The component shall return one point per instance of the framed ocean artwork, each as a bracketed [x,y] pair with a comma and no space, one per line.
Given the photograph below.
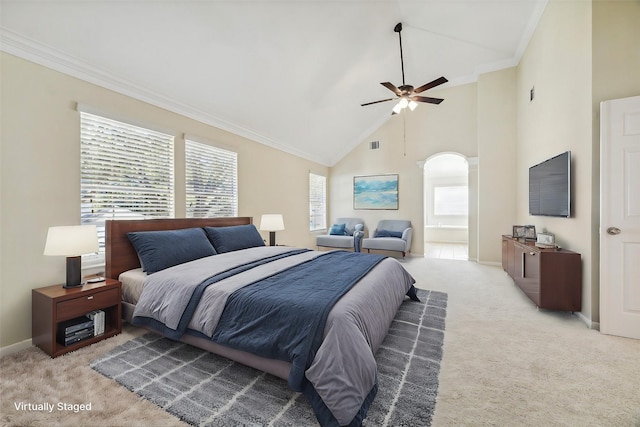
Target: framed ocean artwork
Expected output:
[375,192]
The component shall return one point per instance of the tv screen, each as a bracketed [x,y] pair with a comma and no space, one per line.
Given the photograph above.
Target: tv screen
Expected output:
[550,187]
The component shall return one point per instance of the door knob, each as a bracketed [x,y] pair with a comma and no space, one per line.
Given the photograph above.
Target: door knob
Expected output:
[613,231]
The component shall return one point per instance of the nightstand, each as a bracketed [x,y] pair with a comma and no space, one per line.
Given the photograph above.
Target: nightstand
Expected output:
[52,305]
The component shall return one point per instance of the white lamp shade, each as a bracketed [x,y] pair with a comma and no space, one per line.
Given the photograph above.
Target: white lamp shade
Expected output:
[272,222]
[71,240]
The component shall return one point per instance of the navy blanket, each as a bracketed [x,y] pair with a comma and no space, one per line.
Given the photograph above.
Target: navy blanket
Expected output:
[283,316]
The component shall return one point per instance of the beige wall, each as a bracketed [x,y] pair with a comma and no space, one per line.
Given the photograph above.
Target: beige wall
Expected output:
[581,54]
[558,63]
[430,129]
[497,141]
[476,120]
[40,176]
[616,74]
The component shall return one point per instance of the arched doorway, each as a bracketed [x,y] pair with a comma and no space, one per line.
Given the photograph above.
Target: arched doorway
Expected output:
[446,206]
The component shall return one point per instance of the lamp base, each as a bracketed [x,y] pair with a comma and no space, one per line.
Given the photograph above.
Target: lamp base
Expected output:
[272,238]
[74,266]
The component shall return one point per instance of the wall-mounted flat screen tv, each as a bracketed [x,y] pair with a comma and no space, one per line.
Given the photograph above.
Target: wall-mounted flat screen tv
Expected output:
[550,187]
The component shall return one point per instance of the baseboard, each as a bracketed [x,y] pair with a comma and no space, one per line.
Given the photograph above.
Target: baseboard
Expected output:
[590,324]
[14,348]
[491,263]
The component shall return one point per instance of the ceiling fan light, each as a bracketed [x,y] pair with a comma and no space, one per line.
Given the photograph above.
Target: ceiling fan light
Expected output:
[403,103]
[412,105]
[397,108]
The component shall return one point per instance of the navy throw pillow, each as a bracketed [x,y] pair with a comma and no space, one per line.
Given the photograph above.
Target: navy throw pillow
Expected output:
[338,230]
[158,250]
[234,238]
[388,233]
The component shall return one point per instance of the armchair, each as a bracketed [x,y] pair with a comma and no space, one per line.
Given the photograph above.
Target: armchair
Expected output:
[347,238]
[390,235]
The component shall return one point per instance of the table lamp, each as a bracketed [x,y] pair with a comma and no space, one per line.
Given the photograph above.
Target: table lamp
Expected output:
[272,223]
[72,241]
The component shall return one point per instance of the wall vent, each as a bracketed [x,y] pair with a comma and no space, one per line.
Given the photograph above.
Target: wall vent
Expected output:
[374,145]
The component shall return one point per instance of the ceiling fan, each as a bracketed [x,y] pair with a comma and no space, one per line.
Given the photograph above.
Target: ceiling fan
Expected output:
[407,93]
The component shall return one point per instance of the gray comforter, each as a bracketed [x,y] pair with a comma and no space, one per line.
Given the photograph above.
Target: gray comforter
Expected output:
[343,371]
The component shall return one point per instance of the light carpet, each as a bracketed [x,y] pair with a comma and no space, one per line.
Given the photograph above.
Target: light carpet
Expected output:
[204,389]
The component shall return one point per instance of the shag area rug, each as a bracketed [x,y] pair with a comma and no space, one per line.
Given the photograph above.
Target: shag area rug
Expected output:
[203,389]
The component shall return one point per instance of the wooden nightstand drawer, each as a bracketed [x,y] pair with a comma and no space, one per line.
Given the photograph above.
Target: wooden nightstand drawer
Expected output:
[86,303]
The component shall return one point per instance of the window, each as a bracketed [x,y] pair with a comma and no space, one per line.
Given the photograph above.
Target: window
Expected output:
[211,180]
[452,200]
[125,172]
[317,202]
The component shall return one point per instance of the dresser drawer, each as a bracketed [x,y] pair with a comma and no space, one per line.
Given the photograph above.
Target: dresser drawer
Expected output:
[88,302]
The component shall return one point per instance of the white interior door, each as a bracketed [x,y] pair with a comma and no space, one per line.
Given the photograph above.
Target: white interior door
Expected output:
[620,217]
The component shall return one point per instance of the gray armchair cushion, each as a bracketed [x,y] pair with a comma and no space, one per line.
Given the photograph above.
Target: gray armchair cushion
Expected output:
[393,225]
[388,228]
[335,241]
[385,243]
[354,229]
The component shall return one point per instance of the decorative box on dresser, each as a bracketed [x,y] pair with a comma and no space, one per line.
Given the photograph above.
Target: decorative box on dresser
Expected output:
[551,278]
[52,305]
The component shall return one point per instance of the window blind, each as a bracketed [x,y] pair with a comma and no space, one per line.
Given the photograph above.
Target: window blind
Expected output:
[126,171]
[211,181]
[317,202]
[453,200]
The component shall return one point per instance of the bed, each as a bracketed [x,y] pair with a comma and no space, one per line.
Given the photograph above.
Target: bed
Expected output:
[260,305]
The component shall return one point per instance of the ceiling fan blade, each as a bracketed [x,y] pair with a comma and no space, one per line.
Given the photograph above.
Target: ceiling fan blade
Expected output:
[375,102]
[426,99]
[436,82]
[391,87]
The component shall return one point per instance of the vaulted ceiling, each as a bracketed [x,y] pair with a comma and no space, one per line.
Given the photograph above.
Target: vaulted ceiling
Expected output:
[290,74]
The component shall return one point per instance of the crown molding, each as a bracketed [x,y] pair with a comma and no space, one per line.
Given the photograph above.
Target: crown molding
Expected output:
[47,56]
[534,19]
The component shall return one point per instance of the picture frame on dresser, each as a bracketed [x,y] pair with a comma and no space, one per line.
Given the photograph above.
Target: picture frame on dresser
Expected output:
[530,232]
[518,232]
[546,240]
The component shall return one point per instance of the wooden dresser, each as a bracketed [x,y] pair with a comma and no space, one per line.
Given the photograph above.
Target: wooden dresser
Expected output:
[551,278]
